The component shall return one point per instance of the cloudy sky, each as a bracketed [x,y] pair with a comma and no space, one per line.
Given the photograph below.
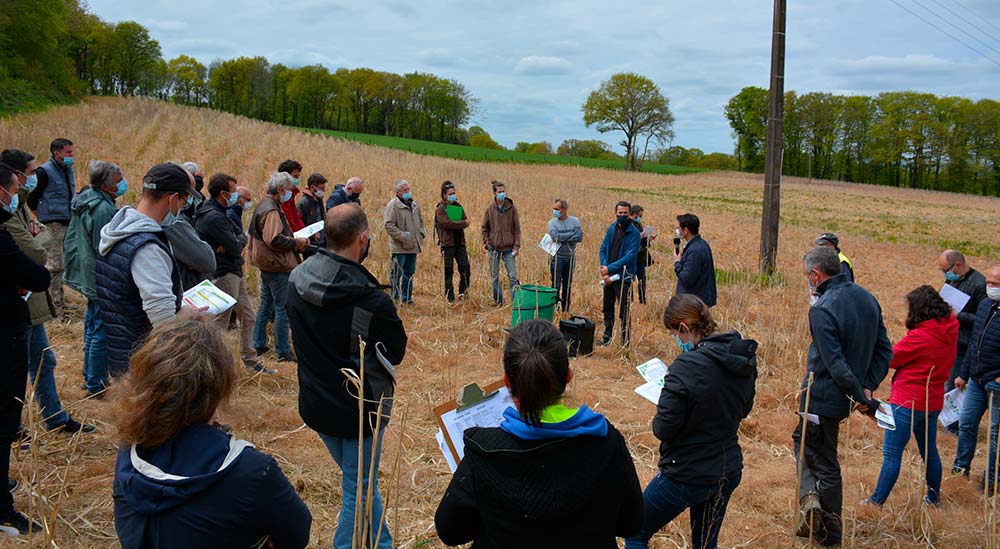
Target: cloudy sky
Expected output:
[533,63]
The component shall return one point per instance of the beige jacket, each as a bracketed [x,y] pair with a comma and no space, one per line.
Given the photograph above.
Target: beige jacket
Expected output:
[405,226]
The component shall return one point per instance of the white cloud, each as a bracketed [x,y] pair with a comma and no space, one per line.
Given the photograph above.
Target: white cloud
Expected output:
[536,65]
[166,25]
[907,64]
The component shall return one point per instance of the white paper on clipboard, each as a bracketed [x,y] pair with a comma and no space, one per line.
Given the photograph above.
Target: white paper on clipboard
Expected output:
[443,446]
[309,230]
[209,295]
[955,297]
[486,413]
[550,246]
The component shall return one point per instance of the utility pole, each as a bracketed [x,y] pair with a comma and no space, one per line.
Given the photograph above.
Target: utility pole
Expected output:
[775,147]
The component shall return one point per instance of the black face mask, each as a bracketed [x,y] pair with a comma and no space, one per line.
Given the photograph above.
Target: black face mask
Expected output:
[624,220]
[199,182]
[364,253]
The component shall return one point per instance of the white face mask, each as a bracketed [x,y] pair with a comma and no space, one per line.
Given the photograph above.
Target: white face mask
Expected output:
[993,293]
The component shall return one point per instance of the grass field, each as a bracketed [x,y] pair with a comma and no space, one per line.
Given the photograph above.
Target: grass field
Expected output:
[893,237]
[460,152]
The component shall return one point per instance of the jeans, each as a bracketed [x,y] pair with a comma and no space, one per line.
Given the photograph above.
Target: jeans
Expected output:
[977,400]
[13,376]
[665,498]
[401,277]
[907,421]
[42,365]
[612,292]
[640,281]
[510,265]
[272,303]
[452,255]
[821,471]
[95,349]
[562,278]
[345,453]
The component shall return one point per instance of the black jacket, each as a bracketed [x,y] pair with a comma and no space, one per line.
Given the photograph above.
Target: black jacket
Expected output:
[331,301]
[551,493]
[696,271]
[19,273]
[312,211]
[982,361]
[974,285]
[215,227]
[850,350]
[339,196]
[705,395]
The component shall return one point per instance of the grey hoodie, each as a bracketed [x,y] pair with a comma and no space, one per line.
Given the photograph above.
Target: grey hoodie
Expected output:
[151,266]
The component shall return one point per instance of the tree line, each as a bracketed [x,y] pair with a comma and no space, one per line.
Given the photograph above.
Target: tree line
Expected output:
[902,138]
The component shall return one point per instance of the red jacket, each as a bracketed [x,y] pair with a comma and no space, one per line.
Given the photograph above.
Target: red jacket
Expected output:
[927,351]
[292,213]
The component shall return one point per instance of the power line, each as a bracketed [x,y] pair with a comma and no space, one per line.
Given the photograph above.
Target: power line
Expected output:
[970,23]
[985,20]
[946,33]
[967,33]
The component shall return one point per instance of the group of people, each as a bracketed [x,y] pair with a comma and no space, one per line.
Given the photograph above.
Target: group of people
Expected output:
[548,475]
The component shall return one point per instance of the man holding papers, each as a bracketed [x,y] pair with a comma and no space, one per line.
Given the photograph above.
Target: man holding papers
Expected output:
[227,239]
[970,285]
[566,231]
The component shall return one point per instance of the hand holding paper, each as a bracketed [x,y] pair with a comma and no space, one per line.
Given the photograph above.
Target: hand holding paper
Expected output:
[207,297]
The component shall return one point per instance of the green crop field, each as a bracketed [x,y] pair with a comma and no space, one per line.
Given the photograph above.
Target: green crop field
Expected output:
[462,152]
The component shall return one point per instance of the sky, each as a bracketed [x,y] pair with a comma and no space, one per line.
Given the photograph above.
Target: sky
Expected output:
[532,64]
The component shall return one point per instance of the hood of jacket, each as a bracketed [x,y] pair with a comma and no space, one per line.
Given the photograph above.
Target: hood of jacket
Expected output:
[507,204]
[730,350]
[940,330]
[327,280]
[157,480]
[89,199]
[127,222]
[583,423]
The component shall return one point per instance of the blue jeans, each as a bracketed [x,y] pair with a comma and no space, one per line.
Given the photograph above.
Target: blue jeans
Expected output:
[345,453]
[665,499]
[908,421]
[562,278]
[977,400]
[272,304]
[510,264]
[95,349]
[42,364]
[401,277]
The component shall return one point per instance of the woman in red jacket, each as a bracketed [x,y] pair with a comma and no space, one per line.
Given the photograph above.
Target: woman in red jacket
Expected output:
[922,362]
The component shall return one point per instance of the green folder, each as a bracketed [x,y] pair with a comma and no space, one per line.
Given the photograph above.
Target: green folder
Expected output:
[454,213]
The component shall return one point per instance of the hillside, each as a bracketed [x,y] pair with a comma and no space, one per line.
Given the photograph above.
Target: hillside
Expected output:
[892,235]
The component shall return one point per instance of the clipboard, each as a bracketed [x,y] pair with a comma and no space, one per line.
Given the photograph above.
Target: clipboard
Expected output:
[474,407]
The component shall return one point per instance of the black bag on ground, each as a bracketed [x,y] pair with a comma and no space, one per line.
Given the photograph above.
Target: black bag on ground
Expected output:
[579,334]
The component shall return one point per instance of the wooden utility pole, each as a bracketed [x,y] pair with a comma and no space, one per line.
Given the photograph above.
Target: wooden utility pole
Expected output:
[775,146]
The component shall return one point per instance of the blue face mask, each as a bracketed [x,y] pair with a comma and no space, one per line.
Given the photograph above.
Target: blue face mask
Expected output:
[407,196]
[295,181]
[638,219]
[556,214]
[30,182]
[122,187]
[169,220]
[501,196]
[453,198]
[286,197]
[950,276]
[14,202]
[67,161]
[685,347]
[232,200]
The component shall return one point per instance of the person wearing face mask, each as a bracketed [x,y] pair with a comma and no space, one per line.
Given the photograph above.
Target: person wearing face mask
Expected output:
[848,358]
[93,208]
[243,203]
[709,389]
[451,238]
[349,192]
[405,227]
[980,377]
[137,278]
[191,211]
[311,208]
[566,231]
[227,239]
[20,274]
[501,230]
[618,254]
[333,300]
[960,275]
[50,201]
[694,265]
[293,169]
[644,259]
[274,250]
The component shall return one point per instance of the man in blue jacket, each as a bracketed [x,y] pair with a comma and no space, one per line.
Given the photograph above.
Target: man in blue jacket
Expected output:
[619,251]
[694,265]
[980,376]
[50,200]
[848,359]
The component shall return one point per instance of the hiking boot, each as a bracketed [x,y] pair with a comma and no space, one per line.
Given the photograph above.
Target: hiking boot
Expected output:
[99,395]
[260,368]
[261,351]
[287,358]
[959,472]
[72,426]
[810,517]
[18,524]
[605,341]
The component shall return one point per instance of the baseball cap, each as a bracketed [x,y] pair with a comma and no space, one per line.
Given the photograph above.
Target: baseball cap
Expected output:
[167,177]
[827,238]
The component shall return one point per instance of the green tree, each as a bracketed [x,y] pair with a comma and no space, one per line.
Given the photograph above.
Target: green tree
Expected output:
[313,88]
[484,141]
[632,104]
[747,116]
[136,56]
[187,80]
[583,148]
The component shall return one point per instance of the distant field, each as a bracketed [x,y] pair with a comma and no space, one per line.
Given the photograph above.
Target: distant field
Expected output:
[461,152]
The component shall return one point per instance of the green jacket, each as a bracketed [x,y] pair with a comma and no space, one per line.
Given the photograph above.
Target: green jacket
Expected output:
[91,211]
[39,304]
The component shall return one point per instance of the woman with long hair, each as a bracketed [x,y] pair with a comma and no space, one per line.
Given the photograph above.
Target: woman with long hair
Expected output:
[180,481]
[450,223]
[922,360]
[707,392]
[549,476]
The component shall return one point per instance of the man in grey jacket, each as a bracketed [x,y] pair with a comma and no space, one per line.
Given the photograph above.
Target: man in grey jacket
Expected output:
[848,359]
[405,227]
[566,231]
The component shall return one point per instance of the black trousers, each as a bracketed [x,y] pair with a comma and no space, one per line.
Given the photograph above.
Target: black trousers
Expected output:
[618,290]
[821,471]
[455,254]
[13,377]
[561,269]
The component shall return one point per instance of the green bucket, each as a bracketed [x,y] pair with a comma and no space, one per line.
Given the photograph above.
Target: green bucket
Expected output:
[532,301]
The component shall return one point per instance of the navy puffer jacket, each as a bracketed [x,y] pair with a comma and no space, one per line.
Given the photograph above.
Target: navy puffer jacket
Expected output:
[982,360]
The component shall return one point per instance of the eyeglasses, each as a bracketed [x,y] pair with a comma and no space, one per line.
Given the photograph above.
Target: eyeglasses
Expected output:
[950,267]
